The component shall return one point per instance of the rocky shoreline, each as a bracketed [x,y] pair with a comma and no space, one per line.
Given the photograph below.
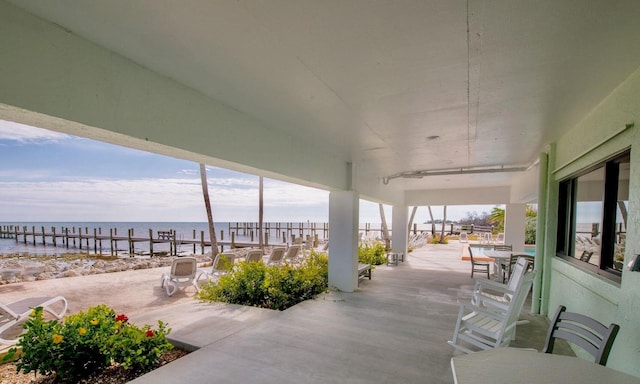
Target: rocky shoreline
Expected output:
[14,269]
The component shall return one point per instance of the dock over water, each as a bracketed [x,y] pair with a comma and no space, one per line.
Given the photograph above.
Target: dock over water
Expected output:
[98,240]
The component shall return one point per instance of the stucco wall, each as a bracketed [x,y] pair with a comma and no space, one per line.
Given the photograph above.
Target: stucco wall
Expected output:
[604,132]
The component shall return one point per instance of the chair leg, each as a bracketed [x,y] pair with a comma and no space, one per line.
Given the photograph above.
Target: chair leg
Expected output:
[169,289]
[163,280]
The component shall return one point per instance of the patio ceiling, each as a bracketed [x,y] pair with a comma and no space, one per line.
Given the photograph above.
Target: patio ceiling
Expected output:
[390,86]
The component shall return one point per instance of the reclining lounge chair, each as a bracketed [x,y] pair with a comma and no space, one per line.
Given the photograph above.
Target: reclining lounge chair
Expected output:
[17,312]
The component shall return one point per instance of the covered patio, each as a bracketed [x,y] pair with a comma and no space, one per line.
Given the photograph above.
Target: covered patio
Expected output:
[393,330]
[407,103]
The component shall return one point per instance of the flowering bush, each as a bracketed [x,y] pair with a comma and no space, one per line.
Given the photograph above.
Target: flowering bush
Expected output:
[88,342]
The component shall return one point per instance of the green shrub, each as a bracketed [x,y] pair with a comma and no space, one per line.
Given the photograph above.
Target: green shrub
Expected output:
[86,343]
[436,240]
[375,254]
[272,287]
[530,230]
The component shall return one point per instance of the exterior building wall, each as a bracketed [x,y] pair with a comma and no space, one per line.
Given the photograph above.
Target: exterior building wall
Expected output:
[606,131]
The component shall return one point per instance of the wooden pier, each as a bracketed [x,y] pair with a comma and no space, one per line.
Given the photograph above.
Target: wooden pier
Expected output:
[95,240]
[110,241]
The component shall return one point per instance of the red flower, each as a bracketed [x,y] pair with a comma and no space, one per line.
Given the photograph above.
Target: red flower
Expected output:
[122,317]
[150,333]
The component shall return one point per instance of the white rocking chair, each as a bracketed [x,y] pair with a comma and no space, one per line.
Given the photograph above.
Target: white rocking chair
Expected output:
[492,294]
[484,327]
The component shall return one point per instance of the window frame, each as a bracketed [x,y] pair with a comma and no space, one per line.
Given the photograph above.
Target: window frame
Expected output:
[567,199]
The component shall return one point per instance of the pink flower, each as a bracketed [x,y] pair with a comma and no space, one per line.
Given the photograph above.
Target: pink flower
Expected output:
[122,317]
[150,333]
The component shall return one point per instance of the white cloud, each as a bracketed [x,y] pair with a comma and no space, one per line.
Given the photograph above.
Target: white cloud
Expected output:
[24,133]
[189,172]
[163,199]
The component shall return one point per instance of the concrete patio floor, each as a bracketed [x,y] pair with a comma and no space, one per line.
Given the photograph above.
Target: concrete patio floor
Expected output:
[394,329]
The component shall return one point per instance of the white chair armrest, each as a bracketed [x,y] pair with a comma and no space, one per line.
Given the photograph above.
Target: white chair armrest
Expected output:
[474,308]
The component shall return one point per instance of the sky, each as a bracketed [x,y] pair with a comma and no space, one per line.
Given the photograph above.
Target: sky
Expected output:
[51,176]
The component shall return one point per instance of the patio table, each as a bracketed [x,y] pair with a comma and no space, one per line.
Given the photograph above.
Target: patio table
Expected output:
[515,365]
[500,258]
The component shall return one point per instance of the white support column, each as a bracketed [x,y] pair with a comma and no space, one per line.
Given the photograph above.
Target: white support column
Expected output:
[343,240]
[514,225]
[399,233]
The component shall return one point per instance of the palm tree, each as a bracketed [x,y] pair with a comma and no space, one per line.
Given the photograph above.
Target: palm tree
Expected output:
[207,204]
[444,223]
[260,212]
[385,228]
[413,215]
[433,223]
[497,219]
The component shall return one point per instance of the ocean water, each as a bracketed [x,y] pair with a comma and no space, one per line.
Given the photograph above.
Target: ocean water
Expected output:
[183,230]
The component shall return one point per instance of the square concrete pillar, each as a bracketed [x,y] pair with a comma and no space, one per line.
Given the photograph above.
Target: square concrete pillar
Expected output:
[514,225]
[343,240]
[399,233]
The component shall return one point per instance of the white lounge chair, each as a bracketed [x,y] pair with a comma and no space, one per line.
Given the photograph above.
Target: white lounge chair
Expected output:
[500,238]
[17,312]
[484,328]
[222,265]
[276,256]
[253,255]
[183,274]
[292,254]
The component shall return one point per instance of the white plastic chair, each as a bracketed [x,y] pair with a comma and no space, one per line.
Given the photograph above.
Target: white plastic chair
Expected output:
[253,255]
[276,256]
[487,238]
[483,328]
[222,265]
[183,274]
[17,312]
[464,237]
[292,254]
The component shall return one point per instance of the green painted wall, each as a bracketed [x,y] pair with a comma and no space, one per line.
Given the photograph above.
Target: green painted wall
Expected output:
[601,134]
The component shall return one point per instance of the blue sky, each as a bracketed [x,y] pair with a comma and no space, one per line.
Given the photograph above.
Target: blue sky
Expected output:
[50,176]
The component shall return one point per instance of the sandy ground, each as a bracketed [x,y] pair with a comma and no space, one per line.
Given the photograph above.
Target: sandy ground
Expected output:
[131,292]
[127,292]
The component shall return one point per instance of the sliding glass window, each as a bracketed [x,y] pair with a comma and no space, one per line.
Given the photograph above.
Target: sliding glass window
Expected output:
[592,217]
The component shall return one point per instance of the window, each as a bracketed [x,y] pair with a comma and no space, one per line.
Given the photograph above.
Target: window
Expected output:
[592,217]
